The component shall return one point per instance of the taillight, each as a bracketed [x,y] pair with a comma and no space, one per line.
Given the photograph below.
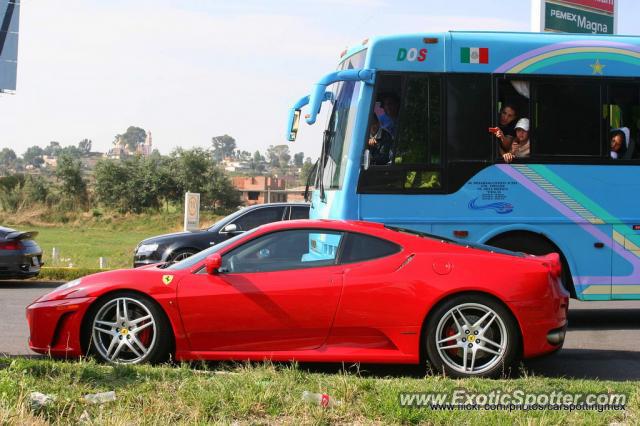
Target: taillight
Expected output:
[556,269]
[11,245]
[552,261]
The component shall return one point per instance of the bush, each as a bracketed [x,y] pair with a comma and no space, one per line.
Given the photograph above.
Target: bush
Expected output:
[66,274]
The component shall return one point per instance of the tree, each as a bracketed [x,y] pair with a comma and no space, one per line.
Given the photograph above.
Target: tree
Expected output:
[298,159]
[307,167]
[8,158]
[52,149]
[33,156]
[219,192]
[84,146]
[133,137]
[279,156]
[73,188]
[223,146]
[112,184]
[35,190]
[11,196]
[70,151]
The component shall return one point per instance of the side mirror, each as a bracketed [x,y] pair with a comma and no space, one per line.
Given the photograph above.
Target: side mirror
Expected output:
[212,263]
[230,228]
[294,123]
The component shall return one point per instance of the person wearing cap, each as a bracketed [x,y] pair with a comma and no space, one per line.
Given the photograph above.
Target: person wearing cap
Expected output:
[520,145]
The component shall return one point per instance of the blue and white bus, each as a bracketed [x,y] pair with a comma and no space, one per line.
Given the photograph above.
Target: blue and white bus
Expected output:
[445,174]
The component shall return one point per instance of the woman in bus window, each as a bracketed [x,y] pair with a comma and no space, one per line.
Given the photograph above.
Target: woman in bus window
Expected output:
[520,146]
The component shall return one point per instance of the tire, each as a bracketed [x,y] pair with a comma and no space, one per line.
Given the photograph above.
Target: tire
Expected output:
[140,333]
[449,338]
[182,254]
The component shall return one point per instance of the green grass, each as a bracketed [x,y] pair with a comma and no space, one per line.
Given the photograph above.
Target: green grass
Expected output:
[265,394]
[83,241]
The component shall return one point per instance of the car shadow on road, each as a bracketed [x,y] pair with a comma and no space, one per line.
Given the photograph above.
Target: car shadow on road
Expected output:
[29,284]
[586,364]
[604,319]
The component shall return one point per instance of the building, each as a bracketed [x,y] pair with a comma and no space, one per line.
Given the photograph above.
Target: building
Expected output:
[146,148]
[260,189]
[236,165]
[121,149]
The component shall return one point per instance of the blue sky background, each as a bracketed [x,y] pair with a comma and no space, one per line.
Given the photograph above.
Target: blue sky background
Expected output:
[191,69]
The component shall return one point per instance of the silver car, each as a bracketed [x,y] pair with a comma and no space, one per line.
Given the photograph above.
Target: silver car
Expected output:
[20,255]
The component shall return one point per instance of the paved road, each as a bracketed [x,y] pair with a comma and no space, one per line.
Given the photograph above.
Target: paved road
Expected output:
[603,340]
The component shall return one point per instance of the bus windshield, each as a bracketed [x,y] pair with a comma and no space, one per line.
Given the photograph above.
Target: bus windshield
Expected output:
[337,136]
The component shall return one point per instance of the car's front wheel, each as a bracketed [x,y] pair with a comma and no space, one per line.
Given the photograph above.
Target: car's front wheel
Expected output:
[127,328]
[472,336]
[181,255]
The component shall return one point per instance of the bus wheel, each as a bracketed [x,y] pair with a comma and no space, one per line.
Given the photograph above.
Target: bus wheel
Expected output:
[536,244]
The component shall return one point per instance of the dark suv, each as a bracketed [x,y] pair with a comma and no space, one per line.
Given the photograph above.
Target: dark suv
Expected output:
[179,245]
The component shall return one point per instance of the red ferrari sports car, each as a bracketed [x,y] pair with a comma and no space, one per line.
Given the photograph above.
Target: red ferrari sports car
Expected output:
[331,291]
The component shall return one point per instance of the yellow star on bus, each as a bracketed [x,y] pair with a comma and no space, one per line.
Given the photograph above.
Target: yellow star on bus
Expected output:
[597,67]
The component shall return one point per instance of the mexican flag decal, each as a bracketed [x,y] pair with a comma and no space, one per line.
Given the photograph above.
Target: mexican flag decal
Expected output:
[474,55]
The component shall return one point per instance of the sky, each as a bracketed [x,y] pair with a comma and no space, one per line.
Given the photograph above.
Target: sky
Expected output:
[189,70]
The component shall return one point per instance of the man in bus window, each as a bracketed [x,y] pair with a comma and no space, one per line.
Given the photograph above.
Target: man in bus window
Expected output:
[520,145]
[380,143]
[388,115]
[506,130]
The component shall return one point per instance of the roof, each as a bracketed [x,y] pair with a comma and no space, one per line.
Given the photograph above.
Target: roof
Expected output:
[506,53]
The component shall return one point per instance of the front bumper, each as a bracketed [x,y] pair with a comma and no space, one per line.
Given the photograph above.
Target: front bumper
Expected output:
[55,326]
[146,259]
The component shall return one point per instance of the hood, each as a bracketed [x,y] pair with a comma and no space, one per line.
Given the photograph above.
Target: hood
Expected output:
[150,281]
[172,237]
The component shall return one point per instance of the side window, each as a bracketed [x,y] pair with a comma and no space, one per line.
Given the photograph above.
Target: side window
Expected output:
[567,118]
[299,212]
[468,117]
[259,217]
[284,250]
[359,247]
[404,136]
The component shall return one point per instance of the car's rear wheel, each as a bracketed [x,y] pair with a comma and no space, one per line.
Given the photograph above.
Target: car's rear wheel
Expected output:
[472,336]
[181,255]
[127,328]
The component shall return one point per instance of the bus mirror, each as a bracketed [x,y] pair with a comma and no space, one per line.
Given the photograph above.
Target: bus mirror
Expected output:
[296,112]
[318,94]
[366,159]
[294,122]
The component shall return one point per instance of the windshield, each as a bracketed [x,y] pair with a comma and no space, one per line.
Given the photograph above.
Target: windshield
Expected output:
[338,134]
[460,243]
[189,262]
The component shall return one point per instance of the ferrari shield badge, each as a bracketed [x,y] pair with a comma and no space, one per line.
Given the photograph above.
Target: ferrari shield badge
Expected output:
[166,279]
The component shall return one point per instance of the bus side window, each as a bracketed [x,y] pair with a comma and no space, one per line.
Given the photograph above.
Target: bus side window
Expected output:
[416,161]
[622,112]
[567,118]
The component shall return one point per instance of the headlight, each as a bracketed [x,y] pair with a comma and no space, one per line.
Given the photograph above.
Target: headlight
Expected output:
[147,248]
[69,284]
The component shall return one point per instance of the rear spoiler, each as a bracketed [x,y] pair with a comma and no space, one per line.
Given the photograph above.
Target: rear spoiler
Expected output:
[19,235]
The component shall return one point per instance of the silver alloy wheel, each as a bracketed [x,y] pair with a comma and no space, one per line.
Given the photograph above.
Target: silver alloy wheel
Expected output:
[183,255]
[124,331]
[471,338]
